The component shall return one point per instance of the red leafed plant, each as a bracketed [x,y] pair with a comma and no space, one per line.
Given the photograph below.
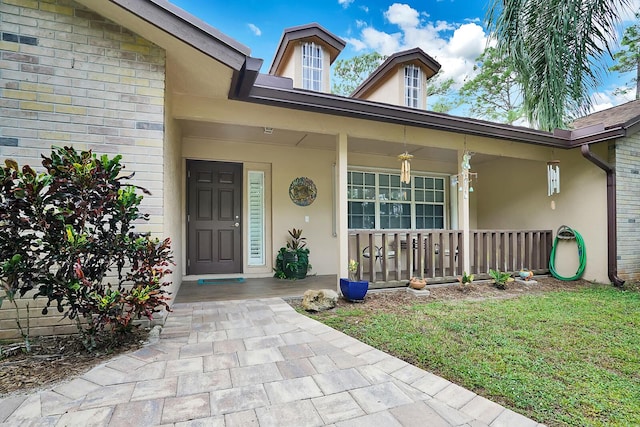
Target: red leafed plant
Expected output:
[69,234]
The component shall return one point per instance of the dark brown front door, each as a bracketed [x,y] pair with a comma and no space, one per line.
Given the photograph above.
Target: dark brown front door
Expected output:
[213,217]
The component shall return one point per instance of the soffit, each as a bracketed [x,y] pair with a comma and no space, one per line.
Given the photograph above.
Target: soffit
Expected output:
[310,140]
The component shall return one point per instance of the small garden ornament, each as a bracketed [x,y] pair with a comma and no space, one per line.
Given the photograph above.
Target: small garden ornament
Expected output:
[417,283]
[525,274]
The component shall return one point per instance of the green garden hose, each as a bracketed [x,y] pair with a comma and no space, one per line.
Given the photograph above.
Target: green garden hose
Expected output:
[566,233]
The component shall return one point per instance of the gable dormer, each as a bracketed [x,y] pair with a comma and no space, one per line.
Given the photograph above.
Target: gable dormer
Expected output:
[305,55]
[401,80]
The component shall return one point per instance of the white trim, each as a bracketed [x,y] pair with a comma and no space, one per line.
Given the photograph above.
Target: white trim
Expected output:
[315,54]
[409,79]
[412,199]
[256,218]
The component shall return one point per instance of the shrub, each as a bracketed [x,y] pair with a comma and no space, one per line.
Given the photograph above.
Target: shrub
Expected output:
[466,279]
[70,235]
[500,279]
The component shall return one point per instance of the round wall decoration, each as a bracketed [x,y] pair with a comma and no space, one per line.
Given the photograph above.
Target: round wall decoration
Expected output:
[302,191]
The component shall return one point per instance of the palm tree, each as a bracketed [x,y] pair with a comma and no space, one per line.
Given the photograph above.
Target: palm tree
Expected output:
[556,47]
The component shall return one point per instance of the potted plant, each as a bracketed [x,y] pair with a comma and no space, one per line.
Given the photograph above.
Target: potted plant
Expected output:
[292,261]
[500,279]
[351,288]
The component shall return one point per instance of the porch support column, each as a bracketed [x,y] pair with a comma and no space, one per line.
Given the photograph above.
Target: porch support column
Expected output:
[342,227]
[463,213]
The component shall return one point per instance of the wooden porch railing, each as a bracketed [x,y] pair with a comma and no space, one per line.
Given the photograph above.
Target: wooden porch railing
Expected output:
[389,256]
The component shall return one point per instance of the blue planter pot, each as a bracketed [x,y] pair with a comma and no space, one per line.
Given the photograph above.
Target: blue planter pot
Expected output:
[354,290]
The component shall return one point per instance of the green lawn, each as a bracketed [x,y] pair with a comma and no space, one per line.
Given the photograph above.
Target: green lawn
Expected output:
[561,358]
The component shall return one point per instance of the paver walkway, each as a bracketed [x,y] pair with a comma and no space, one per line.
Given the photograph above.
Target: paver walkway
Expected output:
[255,362]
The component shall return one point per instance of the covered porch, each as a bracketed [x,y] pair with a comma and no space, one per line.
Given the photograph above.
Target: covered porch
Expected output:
[508,217]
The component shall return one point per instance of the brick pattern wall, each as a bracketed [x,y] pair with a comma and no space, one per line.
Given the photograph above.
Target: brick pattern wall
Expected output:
[70,77]
[627,162]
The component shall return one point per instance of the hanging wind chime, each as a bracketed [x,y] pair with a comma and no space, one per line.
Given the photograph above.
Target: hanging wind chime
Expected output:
[553,180]
[465,178]
[405,159]
[405,167]
[553,177]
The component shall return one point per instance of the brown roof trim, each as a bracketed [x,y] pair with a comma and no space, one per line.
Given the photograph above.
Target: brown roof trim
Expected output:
[291,34]
[189,29]
[369,110]
[282,96]
[242,81]
[411,55]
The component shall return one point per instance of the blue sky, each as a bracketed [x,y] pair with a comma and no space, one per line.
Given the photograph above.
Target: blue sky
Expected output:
[451,31]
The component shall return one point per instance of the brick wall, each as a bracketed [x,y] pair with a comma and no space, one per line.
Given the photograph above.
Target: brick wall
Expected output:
[627,162]
[70,77]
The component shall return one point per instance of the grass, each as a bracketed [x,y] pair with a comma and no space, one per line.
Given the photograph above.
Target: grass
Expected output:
[561,358]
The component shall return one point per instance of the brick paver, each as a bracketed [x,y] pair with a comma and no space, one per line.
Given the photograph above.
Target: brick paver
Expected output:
[239,363]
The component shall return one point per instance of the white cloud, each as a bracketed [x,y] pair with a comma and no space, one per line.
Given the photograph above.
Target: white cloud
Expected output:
[468,41]
[357,44]
[360,23]
[255,29]
[402,15]
[345,3]
[455,46]
[365,9]
[609,98]
[382,42]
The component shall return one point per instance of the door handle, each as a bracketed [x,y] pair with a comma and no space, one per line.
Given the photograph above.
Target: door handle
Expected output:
[237,224]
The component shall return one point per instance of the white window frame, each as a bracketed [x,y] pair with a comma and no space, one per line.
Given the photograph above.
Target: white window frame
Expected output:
[412,199]
[312,66]
[413,86]
[256,219]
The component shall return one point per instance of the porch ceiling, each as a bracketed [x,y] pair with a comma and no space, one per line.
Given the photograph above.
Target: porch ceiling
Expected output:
[290,138]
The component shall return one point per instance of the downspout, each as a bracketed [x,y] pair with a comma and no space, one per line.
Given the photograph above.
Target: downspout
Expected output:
[612,244]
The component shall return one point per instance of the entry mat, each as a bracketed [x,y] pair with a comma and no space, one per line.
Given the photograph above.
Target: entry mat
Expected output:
[229,281]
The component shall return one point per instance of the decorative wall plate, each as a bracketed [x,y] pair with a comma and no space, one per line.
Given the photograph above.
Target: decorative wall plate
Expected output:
[302,191]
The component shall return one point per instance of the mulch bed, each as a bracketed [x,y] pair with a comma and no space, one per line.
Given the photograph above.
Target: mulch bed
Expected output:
[53,359]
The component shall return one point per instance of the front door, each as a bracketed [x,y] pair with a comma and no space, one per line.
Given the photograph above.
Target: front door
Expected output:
[214,225]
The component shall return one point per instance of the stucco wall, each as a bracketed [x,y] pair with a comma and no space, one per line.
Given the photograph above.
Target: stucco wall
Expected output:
[285,164]
[173,185]
[512,194]
[70,77]
[626,160]
[389,90]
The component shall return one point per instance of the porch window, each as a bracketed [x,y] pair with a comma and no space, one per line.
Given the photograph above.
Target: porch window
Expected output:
[379,200]
[312,67]
[412,86]
[256,220]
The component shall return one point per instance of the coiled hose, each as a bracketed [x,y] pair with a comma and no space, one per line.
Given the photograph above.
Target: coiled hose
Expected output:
[567,233]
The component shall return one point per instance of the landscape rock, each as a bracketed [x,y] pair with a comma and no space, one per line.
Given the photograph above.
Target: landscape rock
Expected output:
[321,300]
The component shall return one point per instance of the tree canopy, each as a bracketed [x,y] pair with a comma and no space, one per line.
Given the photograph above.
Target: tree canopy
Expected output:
[440,94]
[628,58]
[494,93]
[557,48]
[349,73]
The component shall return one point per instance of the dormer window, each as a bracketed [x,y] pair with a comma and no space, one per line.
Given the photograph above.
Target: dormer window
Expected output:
[312,67]
[412,86]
